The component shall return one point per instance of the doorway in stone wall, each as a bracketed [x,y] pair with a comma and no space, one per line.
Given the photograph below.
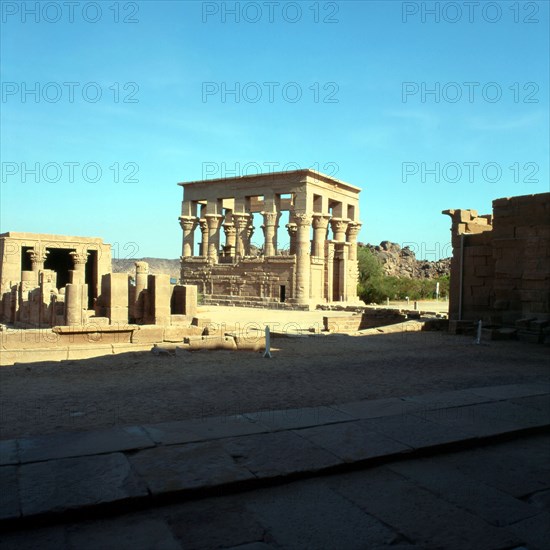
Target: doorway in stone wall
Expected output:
[282,293]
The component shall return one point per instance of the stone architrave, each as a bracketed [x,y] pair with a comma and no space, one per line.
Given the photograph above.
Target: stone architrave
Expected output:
[188,225]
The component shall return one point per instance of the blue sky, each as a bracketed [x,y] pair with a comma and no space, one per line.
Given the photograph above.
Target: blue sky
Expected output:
[133,97]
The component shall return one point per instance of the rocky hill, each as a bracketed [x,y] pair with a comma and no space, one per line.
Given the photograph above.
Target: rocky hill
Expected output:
[402,262]
[157,266]
[396,261]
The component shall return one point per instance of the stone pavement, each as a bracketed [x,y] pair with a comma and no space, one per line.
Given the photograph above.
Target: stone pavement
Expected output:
[66,477]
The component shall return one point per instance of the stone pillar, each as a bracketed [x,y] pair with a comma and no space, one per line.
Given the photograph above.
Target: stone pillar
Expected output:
[249,233]
[188,225]
[76,301]
[138,307]
[353,231]
[204,232]
[292,229]
[79,272]
[270,232]
[37,260]
[241,225]
[339,226]
[303,263]
[230,239]
[160,294]
[320,225]
[213,221]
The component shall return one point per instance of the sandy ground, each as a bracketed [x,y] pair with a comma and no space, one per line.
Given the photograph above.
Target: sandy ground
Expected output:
[138,388]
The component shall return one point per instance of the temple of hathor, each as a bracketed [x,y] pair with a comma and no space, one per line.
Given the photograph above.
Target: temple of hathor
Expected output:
[315,262]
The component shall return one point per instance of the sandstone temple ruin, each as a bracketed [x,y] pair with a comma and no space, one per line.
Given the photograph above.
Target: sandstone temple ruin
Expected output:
[57,280]
[312,260]
[500,269]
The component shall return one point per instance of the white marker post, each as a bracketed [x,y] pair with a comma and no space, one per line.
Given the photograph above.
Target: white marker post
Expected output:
[478,339]
[437,291]
[267,352]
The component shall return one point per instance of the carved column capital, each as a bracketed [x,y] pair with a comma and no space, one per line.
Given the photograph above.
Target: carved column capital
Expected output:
[229,229]
[79,258]
[141,268]
[213,220]
[339,225]
[353,230]
[241,220]
[38,256]
[292,228]
[320,221]
[270,218]
[302,219]
[188,223]
[203,225]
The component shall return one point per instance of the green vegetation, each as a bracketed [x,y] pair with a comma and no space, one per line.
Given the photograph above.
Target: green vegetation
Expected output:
[375,287]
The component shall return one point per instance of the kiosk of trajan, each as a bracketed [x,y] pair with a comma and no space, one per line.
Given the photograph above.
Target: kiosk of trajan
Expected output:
[311,260]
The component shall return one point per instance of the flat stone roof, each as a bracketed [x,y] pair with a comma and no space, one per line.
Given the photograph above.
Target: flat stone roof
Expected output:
[271,175]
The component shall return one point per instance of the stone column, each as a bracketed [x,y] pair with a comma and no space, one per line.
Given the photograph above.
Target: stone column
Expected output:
[138,307]
[249,233]
[303,264]
[241,225]
[292,229]
[230,238]
[352,232]
[320,225]
[270,232]
[79,272]
[339,226]
[37,259]
[188,225]
[204,232]
[213,221]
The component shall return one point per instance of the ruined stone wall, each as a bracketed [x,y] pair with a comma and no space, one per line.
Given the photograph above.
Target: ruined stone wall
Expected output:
[500,270]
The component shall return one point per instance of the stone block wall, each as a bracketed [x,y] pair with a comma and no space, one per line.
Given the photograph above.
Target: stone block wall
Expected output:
[500,270]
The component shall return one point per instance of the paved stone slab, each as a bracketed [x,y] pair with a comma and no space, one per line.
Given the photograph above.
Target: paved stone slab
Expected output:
[9,493]
[47,538]
[541,500]
[416,513]
[468,493]
[352,441]
[488,419]
[8,452]
[535,531]
[519,467]
[415,431]
[278,454]
[70,483]
[288,419]
[203,429]
[188,466]
[72,444]
[509,391]
[137,532]
[442,400]
[311,515]
[215,523]
[375,408]
[540,402]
